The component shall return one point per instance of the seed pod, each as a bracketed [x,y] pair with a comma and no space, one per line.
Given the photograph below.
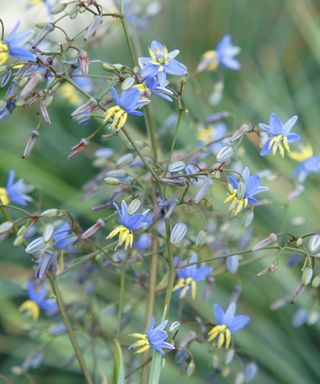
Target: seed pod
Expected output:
[57,9]
[30,144]
[78,148]
[272,238]
[191,368]
[93,229]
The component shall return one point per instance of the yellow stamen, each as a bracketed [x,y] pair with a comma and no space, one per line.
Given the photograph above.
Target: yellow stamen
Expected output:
[116,116]
[236,203]
[206,134]
[211,58]
[68,92]
[4,52]
[125,236]
[222,334]
[142,344]
[279,143]
[185,285]
[31,308]
[303,154]
[4,199]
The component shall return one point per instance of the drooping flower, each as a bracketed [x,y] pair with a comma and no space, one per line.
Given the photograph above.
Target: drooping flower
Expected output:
[15,191]
[242,193]
[14,44]
[227,325]
[152,87]
[308,162]
[223,55]
[155,338]
[279,135]
[38,300]
[189,276]
[161,62]
[129,223]
[127,104]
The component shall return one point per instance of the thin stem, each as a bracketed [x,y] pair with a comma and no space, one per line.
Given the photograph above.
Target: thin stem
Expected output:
[174,139]
[140,154]
[126,34]
[151,133]
[70,331]
[121,295]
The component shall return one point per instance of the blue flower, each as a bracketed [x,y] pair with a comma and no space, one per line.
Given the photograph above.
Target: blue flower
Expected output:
[161,62]
[155,338]
[38,300]
[15,191]
[129,223]
[13,45]
[128,103]
[227,325]
[242,193]
[279,135]
[189,276]
[308,162]
[63,237]
[223,55]
[212,134]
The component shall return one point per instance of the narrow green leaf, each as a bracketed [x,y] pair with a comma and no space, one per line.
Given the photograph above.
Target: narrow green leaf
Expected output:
[118,365]
[155,370]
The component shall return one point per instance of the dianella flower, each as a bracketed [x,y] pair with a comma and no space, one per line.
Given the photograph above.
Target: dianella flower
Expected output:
[227,325]
[15,191]
[127,104]
[14,45]
[222,56]
[189,276]
[279,135]
[38,300]
[155,338]
[308,162]
[242,193]
[129,224]
[152,87]
[161,62]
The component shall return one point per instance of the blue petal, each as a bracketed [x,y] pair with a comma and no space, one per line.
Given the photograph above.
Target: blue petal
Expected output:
[219,313]
[275,124]
[265,149]
[174,67]
[238,322]
[289,124]
[115,96]
[293,137]
[229,315]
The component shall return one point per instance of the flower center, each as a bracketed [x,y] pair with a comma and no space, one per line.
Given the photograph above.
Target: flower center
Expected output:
[210,57]
[206,134]
[236,203]
[4,199]
[222,334]
[185,285]
[280,143]
[4,52]
[140,345]
[31,308]
[116,116]
[159,58]
[125,236]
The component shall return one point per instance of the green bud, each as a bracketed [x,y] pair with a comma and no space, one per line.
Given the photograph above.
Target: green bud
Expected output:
[316,281]
[48,232]
[18,241]
[108,67]
[5,227]
[299,242]
[191,368]
[59,8]
[307,275]
[112,181]
[134,206]
[125,159]
[201,238]
[50,212]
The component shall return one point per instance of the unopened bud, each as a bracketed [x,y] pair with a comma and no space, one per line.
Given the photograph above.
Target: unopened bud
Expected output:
[83,62]
[93,229]
[30,144]
[191,368]
[314,243]
[201,238]
[35,245]
[134,206]
[92,29]
[108,67]
[52,212]
[178,181]
[307,275]
[272,238]
[31,84]
[78,148]
[125,159]
[203,191]
[5,227]
[57,9]
[299,242]
[48,232]
[44,112]
[178,233]
[240,132]
[224,154]
[112,181]
[176,167]
[18,241]
[316,281]
[127,83]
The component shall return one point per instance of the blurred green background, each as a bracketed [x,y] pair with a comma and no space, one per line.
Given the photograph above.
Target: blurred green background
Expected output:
[280,58]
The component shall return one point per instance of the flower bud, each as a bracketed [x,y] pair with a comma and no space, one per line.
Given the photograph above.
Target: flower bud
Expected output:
[179,181]
[240,132]
[22,230]
[58,8]
[18,241]
[178,233]
[313,317]
[5,227]
[125,159]
[78,148]
[314,243]
[239,378]
[201,238]
[202,192]
[229,356]
[112,181]
[191,368]
[307,275]
[134,206]
[93,229]
[316,281]
[48,232]
[50,212]
[92,29]
[250,372]
[108,67]
[83,62]
[30,144]
[35,246]
[272,238]
[224,154]
[176,167]
[127,83]
[31,84]
[249,219]
[174,326]
[299,242]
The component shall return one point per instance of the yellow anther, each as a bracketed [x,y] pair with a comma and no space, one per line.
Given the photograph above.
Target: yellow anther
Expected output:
[236,203]
[185,285]
[125,236]
[142,344]
[303,154]
[279,143]
[206,134]
[4,197]
[4,52]
[31,308]
[116,116]
[210,57]
[68,92]
[222,334]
